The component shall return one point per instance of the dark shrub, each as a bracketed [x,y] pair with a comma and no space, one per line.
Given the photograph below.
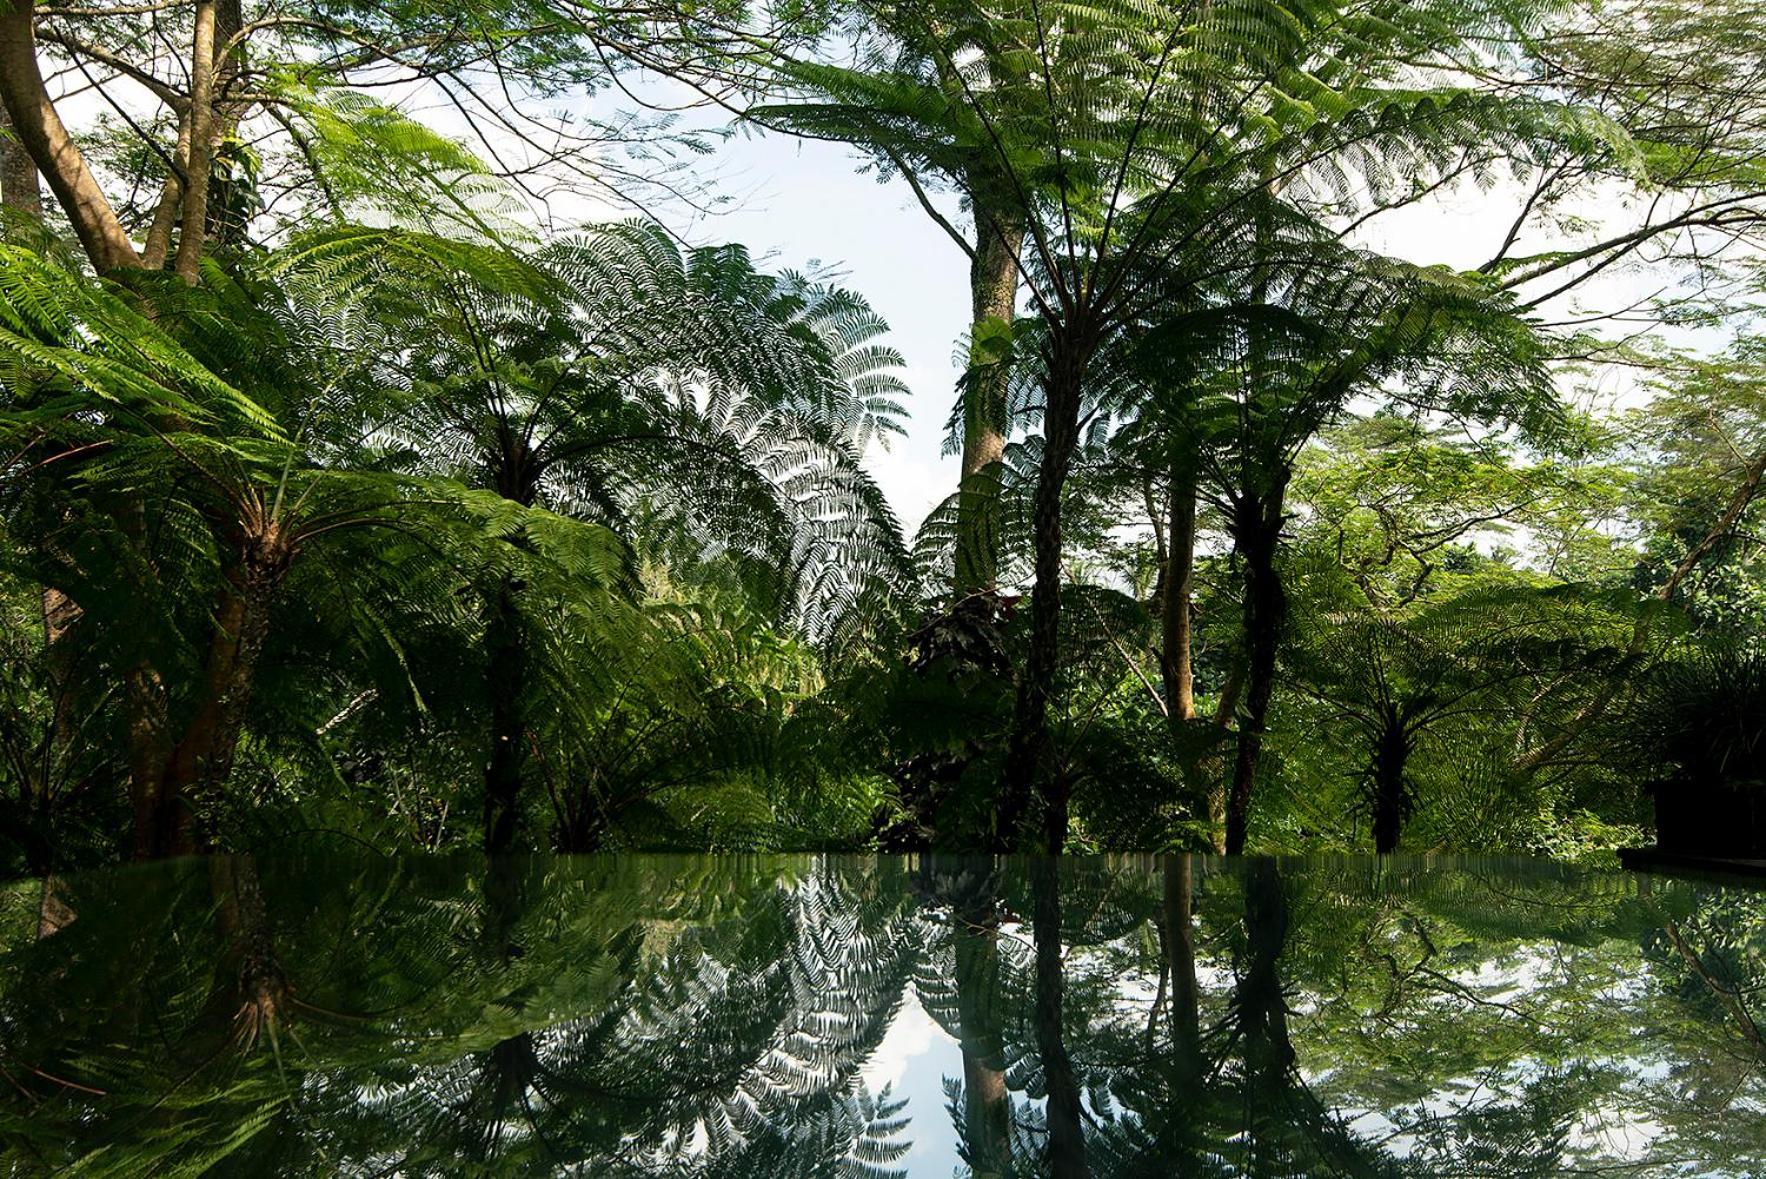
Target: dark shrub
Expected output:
[1698,731]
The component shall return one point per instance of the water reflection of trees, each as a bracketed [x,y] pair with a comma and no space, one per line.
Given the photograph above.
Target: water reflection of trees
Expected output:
[631,1016]
[693,1017]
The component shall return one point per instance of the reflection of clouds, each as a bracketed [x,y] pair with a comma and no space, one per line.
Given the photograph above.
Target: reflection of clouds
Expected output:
[910,1034]
[1543,980]
[913,1060]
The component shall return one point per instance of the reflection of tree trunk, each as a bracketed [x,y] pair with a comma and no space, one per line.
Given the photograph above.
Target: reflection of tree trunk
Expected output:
[1391,799]
[1277,1098]
[263,994]
[1261,1009]
[1066,1134]
[511,1068]
[505,899]
[1257,524]
[1025,772]
[993,290]
[512,1065]
[1260,1012]
[1730,999]
[1180,960]
[986,1105]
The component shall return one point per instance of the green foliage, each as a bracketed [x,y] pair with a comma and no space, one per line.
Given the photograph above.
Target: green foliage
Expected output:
[418,513]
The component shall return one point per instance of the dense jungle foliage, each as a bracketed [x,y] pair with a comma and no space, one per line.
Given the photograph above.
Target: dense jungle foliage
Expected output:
[376,461]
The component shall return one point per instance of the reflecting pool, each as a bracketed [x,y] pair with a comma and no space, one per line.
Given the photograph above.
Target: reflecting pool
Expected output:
[343,1013]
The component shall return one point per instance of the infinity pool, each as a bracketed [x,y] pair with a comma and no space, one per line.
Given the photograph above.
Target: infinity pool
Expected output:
[864,1017]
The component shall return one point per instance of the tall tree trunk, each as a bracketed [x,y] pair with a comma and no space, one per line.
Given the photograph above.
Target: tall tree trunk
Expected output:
[60,612]
[581,820]
[993,293]
[201,761]
[191,236]
[58,158]
[1066,1133]
[1177,590]
[516,478]
[1025,774]
[158,245]
[1257,525]
[1391,798]
[1177,653]
[20,190]
[506,684]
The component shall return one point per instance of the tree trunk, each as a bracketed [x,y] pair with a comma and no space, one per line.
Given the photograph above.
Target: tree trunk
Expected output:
[60,612]
[1257,525]
[506,684]
[1217,814]
[158,246]
[54,911]
[1177,577]
[58,158]
[144,700]
[581,819]
[1177,589]
[993,292]
[20,190]
[205,755]
[188,263]
[1066,1136]
[1025,774]
[1391,797]
[201,761]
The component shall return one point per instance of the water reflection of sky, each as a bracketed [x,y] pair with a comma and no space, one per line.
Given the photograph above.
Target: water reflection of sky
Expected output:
[914,1059]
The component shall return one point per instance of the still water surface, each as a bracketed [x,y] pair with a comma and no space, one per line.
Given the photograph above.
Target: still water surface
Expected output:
[342,1013]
